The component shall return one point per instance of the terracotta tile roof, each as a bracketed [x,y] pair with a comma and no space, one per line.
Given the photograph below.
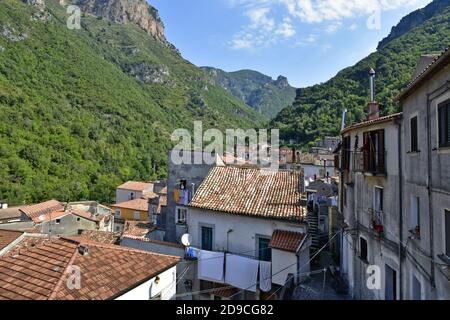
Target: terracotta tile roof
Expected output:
[34,211]
[7,237]
[224,292]
[149,195]
[286,240]
[101,236]
[438,60]
[28,241]
[135,185]
[11,213]
[371,122]
[251,192]
[53,215]
[108,271]
[137,228]
[136,204]
[85,214]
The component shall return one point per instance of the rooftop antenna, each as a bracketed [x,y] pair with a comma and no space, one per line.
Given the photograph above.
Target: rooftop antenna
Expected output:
[372,84]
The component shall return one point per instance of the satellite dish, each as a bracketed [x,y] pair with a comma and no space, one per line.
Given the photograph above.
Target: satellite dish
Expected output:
[186,239]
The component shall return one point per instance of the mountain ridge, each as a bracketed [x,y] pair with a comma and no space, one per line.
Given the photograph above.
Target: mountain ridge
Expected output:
[265,94]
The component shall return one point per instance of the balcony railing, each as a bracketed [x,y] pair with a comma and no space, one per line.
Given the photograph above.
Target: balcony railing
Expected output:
[365,161]
[377,221]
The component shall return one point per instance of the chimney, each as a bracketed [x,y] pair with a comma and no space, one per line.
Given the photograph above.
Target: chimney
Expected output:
[83,250]
[374,107]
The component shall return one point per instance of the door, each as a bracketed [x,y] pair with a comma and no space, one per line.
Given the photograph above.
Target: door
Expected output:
[390,284]
[207,238]
[416,289]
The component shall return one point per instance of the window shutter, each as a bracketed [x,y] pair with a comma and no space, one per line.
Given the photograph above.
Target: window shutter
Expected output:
[366,150]
[447,138]
[442,126]
[447,232]
[381,152]
[414,138]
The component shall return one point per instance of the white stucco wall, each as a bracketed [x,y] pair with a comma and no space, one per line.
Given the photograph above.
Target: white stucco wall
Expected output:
[149,290]
[123,195]
[245,230]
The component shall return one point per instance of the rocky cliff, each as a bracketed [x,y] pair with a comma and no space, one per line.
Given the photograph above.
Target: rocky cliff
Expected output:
[138,12]
[413,20]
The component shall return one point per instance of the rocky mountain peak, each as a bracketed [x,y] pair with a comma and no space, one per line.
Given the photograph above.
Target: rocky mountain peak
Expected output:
[138,12]
[282,82]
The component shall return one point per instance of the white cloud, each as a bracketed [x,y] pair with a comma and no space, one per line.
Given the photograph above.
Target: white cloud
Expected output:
[272,21]
[332,28]
[353,27]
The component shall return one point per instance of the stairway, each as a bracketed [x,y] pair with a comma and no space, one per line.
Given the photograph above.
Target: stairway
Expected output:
[313,223]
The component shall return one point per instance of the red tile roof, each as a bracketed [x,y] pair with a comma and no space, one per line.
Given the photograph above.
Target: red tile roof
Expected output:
[7,237]
[101,236]
[286,240]
[135,185]
[107,271]
[136,204]
[44,208]
[251,192]
[137,228]
[371,122]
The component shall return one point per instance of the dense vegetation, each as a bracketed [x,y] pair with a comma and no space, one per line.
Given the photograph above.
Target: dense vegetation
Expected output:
[317,110]
[75,119]
[259,91]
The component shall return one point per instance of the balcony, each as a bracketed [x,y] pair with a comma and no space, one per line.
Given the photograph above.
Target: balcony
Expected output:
[377,221]
[371,163]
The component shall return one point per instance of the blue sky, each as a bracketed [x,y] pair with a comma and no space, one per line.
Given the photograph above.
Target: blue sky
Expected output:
[308,41]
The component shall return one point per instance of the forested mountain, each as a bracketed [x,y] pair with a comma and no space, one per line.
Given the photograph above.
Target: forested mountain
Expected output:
[83,110]
[259,91]
[317,110]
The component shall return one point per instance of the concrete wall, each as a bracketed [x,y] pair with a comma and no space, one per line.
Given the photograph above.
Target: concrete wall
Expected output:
[168,249]
[431,187]
[360,191]
[68,225]
[150,289]
[194,174]
[245,230]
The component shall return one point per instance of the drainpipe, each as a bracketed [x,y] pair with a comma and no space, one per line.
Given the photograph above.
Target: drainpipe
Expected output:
[400,192]
[429,186]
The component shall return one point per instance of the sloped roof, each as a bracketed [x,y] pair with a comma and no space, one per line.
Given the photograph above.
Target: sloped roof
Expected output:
[7,237]
[108,271]
[137,228]
[36,210]
[286,240]
[101,236]
[11,213]
[251,192]
[136,204]
[135,185]
[372,122]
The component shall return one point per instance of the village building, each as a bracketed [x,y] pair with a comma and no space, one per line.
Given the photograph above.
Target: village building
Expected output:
[55,262]
[245,223]
[425,154]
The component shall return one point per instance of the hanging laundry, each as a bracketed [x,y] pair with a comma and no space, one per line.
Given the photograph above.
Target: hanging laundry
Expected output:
[210,266]
[176,196]
[265,276]
[241,272]
[184,197]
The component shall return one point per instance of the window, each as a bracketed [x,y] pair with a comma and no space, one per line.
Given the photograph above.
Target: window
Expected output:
[363,249]
[57,221]
[207,238]
[181,216]
[374,152]
[444,124]
[117,213]
[415,215]
[378,199]
[447,232]
[78,219]
[346,153]
[264,251]
[137,215]
[132,196]
[414,136]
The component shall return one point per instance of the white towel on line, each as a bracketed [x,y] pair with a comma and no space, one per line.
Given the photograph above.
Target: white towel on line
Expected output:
[210,266]
[265,276]
[241,272]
